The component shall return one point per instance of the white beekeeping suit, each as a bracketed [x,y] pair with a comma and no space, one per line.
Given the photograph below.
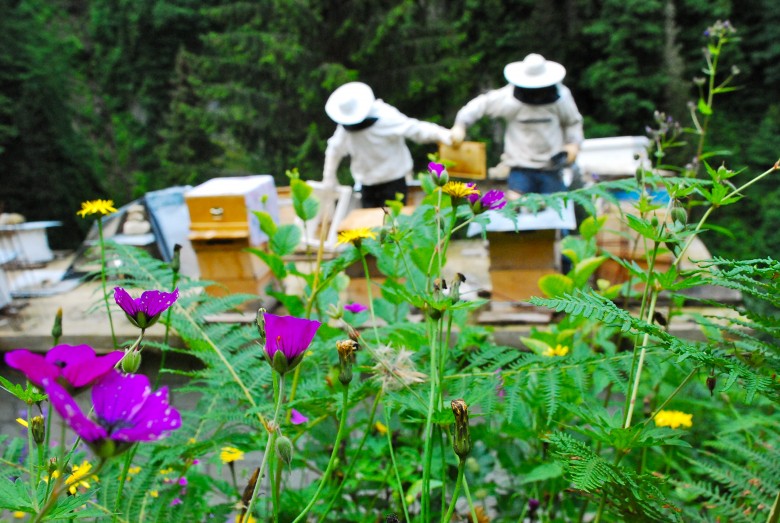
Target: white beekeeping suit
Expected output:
[373,134]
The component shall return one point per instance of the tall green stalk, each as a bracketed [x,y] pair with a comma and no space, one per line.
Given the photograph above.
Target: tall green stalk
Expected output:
[103,279]
[333,456]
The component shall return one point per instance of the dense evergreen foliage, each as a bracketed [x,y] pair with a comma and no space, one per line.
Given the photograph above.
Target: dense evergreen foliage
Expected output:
[110,99]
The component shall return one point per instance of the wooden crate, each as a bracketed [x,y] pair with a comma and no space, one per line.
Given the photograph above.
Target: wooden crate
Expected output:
[222,207]
[516,284]
[469,158]
[523,250]
[226,261]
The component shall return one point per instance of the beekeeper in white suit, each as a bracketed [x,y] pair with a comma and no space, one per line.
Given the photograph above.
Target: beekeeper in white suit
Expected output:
[374,133]
[543,125]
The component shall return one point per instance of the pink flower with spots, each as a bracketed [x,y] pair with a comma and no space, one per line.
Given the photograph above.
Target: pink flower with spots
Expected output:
[144,312]
[125,411]
[72,366]
[286,339]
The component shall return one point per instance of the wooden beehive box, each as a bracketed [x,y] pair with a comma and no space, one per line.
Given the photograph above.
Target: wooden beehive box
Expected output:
[223,227]
[469,158]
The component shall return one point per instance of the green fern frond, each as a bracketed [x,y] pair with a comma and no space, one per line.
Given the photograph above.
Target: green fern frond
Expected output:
[632,496]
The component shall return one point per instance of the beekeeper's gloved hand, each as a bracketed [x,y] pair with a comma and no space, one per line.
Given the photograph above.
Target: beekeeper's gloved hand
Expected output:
[572,150]
[445,136]
[458,133]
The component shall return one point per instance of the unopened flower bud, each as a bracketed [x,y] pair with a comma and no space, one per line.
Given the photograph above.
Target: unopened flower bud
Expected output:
[56,329]
[38,429]
[346,349]
[711,382]
[131,361]
[461,441]
[679,214]
[455,287]
[260,322]
[533,506]
[176,260]
[284,449]
[473,465]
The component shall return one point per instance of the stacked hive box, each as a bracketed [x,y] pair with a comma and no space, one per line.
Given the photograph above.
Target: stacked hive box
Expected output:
[223,226]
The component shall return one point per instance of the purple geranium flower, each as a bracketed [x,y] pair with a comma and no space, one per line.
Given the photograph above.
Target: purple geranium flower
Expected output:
[492,200]
[126,411]
[286,339]
[144,312]
[296,418]
[439,173]
[355,307]
[73,366]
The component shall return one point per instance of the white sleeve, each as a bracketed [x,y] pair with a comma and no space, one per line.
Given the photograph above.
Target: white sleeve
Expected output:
[571,120]
[334,153]
[487,104]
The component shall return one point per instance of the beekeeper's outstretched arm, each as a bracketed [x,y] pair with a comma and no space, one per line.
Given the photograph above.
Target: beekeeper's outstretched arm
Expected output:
[395,123]
[488,104]
[334,153]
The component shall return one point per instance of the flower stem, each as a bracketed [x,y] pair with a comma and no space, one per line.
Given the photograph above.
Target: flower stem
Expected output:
[128,461]
[355,455]
[370,297]
[103,279]
[428,432]
[332,461]
[389,435]
[269,448]
[458,482]
[472,510]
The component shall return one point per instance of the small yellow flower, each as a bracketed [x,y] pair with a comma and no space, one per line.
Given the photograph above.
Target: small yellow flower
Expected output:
[76,478]
[459,189]
[245,519]
[19,514]
[559,350]
[154,493]
[22,422]
[380,428]
[231,454]
[673,419]
[91,207]
[132,471]
[355,236]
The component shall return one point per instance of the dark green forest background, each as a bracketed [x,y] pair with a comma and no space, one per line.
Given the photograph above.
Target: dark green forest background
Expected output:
[112,98]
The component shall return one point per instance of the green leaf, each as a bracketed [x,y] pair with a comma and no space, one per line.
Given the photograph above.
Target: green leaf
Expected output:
[585,269]
[267,223]
[286,239]
[274,262]
[590,227]
[704,107]
[28,394]
[543,472]
[554,285]
[537,346]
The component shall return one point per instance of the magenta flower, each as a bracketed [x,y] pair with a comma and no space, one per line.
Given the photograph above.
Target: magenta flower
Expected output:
[125,411]
[144,312]
[296,418]
[355,307]
[439,173]
[286,339]
[492,200]
[72,366]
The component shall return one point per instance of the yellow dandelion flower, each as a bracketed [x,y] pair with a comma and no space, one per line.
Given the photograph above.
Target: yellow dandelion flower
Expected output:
[380,428]
[355,236]
[559,350]
[459,189]
[673,419]
[76,478]
[231,454]
[91,207]
[19,514]
[154,493]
